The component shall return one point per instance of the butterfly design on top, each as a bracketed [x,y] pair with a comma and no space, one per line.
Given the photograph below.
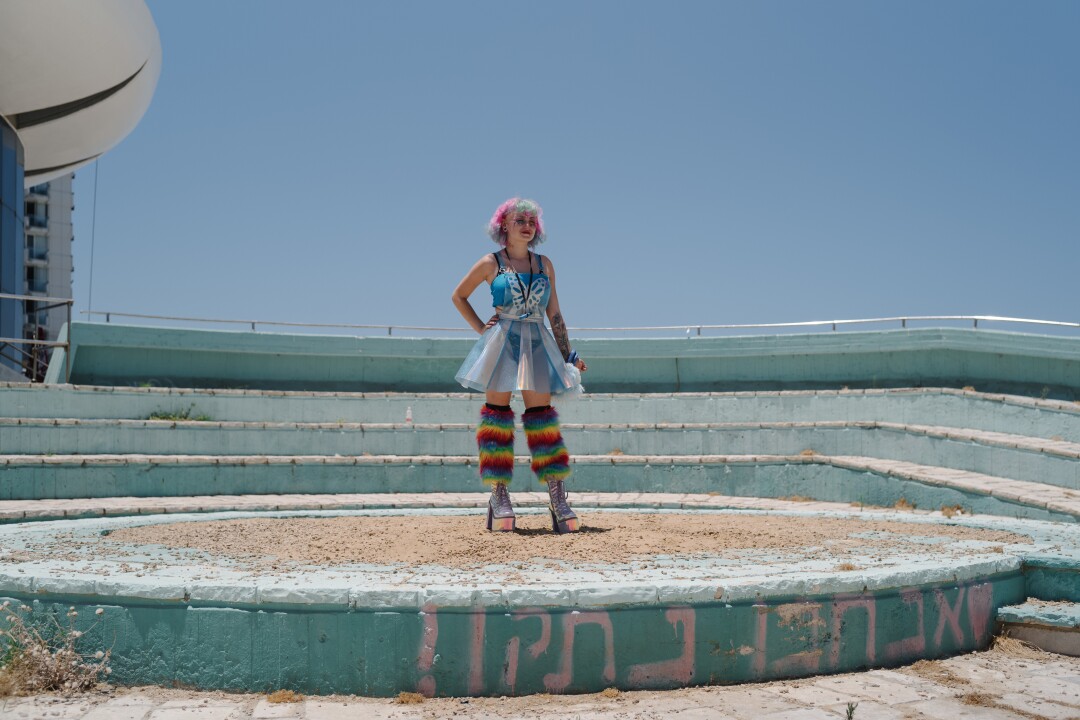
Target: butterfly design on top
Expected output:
[537,290]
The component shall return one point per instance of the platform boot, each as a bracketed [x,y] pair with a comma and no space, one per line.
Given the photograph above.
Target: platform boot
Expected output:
[551,463]
[495,440]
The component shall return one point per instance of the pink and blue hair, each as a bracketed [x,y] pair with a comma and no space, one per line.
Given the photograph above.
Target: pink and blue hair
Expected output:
[495,225]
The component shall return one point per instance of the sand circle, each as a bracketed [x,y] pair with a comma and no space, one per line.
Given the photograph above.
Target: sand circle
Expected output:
[460,541]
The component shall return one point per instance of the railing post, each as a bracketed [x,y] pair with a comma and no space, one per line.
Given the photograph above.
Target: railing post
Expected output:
[252,327]
[389,329]
[976,321]
[108,317]
[903,322]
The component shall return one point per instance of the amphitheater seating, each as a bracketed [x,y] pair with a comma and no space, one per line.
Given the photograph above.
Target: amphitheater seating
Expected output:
[84,450]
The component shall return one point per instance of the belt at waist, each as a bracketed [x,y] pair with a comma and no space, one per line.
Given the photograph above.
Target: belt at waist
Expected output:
[532,317]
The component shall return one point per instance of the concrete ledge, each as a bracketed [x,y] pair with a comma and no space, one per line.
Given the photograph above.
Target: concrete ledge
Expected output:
[999,361]
[175,617]
[1051,626]
[923,406]
[36,510]
[829,478]
[1021,457]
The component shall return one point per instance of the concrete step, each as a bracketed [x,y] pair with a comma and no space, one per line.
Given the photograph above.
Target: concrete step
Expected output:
[27,510]
[870,481]
[1054,462]
[1051,626]
[920,406]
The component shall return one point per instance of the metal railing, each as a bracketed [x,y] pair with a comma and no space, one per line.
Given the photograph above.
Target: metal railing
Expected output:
[17,344]
[903,320]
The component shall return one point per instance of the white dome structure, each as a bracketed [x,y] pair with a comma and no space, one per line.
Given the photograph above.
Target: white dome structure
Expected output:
[75,78]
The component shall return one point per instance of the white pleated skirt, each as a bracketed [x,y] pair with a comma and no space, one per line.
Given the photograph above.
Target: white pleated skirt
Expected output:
[516,355]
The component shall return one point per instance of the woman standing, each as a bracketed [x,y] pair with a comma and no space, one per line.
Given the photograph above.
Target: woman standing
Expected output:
[517,353]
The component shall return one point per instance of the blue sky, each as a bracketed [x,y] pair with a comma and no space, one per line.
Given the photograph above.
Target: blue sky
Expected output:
[698,162]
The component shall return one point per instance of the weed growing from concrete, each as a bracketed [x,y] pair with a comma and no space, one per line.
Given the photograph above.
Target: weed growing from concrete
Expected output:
[968,388]
[42,657]
[952,510]
[409,698]
[187,413]
[808,452]
[903,504]
[850,713]
[846,567]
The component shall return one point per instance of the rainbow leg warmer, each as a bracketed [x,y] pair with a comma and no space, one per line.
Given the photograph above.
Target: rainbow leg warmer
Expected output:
[550,459]
[495,439]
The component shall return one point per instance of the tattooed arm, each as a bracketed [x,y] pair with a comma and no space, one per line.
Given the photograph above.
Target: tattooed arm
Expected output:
[554,313]
[558,329]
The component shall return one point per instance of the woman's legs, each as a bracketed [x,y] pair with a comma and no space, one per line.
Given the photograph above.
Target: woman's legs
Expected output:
[495,441]
[550,458]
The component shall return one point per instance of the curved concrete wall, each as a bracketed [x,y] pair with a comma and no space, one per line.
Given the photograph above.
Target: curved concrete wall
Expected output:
[1040,366]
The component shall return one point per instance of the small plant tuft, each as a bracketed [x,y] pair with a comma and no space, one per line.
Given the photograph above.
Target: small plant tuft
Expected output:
[952,510]
[409,698]
[846,567]
[284,696]
[850,713]
[808,452]
[968,388]
[903,504]
[42,657]
[187,413]
[610,692]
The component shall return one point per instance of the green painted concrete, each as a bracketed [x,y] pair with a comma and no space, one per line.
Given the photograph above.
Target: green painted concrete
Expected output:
[807,477]
[211,438]
[459,651]
[1035,365]
[952,408]
[1053,579]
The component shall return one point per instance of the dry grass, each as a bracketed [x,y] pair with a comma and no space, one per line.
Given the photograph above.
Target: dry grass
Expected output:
[808,452]
[409,698]
[616,451]
[969,388]
[610,692]
[41,656]
[284,696]
[951,510]
[846,567]
[979,699]
[796,498]
[936,671]
[1016,648]
[903,504]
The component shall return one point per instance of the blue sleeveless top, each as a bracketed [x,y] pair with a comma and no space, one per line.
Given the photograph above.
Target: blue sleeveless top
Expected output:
[513,292]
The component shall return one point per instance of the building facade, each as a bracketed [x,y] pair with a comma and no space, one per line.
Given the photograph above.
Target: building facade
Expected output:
[11,256]
[48,266]
[75,80]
